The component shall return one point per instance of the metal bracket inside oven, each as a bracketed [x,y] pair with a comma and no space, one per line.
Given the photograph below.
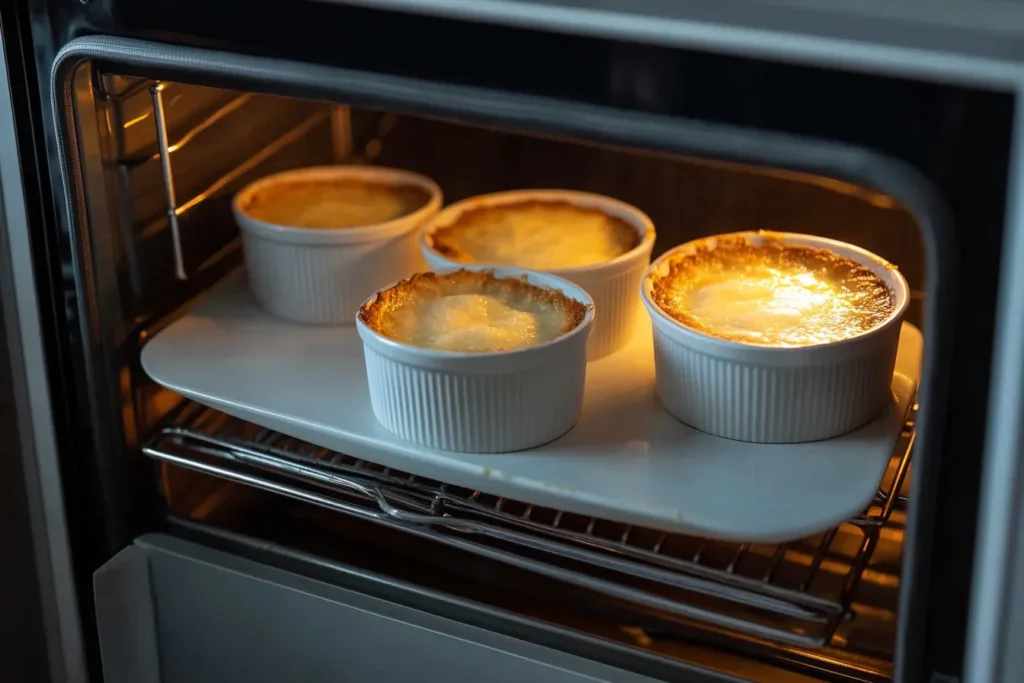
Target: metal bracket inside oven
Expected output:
[160,119]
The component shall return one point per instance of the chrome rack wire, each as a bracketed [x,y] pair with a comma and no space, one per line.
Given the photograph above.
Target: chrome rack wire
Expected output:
[750,589]
[175,207]
[159,118]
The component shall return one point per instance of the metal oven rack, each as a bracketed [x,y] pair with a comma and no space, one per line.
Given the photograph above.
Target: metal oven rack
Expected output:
[794,594]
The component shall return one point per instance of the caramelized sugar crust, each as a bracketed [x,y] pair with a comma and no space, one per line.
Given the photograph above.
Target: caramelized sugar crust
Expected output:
[333,203]
[536,234]
[472,311]
[773,294]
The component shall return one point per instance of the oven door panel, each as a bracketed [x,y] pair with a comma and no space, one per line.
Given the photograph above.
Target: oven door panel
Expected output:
[173,611]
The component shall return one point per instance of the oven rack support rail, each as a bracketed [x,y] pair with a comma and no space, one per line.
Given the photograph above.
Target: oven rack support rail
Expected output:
[620,561]
[175,208]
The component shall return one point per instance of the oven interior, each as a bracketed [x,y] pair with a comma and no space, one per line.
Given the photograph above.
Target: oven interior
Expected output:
[161,161]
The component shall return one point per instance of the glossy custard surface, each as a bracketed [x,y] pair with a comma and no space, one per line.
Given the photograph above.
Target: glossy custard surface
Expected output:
[471,311]
[773,294]
[541,235]
[333,203]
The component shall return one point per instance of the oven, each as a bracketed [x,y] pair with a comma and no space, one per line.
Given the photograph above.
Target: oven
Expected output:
[173,536]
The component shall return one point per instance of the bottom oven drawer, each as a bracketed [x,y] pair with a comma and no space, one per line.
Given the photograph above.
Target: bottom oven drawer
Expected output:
[172,611]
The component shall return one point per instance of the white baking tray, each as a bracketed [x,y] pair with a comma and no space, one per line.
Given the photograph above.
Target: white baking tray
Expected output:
[626,460]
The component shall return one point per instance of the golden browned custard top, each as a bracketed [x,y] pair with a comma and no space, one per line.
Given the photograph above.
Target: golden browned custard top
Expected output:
[536,234]
[333,203]
[773,294]
[471,311]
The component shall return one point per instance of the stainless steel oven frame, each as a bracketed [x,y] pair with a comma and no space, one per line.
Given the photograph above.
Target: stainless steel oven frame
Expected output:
[954,47]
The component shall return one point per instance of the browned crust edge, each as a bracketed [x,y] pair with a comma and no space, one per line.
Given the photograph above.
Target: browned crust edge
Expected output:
[445,240]
[703,254]
[423,286]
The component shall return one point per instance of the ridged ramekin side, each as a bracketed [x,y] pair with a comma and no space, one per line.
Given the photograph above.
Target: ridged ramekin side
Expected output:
[322,284]
[476,413]
[617,307]
[766,404]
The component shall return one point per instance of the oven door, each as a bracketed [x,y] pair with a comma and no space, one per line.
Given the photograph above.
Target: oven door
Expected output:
[173,611]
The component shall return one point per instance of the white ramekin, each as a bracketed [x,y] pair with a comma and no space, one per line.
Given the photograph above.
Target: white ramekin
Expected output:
[481,402]
[767,394]
[612,285]
[320,277]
